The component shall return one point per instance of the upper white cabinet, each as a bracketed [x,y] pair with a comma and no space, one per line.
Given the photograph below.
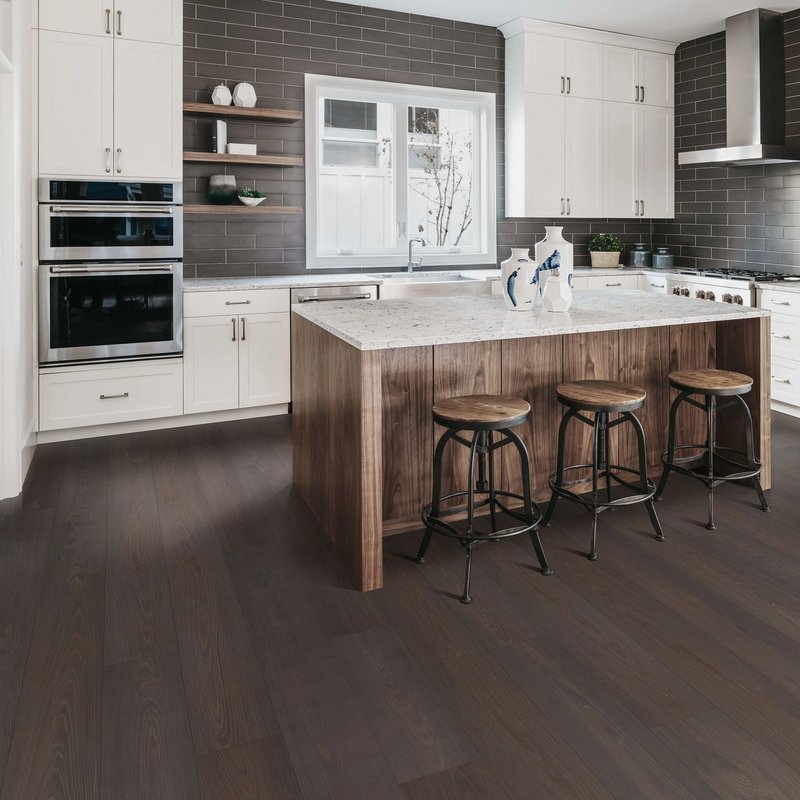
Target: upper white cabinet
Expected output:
[638,76]
[159,21]
[588,123]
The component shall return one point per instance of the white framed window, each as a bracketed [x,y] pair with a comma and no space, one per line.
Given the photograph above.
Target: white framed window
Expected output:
[387,162]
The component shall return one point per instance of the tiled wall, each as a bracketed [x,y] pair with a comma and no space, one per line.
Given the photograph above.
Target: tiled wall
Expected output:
[271,45]
[741,217]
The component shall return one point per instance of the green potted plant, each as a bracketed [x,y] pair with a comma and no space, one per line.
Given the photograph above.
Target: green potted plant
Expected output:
[605,250]
[250,197]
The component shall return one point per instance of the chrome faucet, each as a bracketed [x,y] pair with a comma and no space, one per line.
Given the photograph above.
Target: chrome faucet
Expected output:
[412,265]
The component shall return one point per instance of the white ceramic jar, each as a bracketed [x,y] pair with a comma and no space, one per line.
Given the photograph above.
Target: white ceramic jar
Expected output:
[554,242]
[517,276]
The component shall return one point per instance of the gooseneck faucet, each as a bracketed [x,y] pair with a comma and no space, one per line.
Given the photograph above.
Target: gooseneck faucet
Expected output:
[412,265]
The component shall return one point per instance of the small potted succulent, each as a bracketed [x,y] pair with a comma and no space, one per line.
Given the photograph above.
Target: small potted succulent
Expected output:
[605,250]
[251,197]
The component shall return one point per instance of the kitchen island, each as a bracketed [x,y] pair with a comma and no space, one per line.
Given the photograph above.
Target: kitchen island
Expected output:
[365,377]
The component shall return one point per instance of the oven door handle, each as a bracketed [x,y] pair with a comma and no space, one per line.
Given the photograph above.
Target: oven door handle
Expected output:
[108,268]
[128,211]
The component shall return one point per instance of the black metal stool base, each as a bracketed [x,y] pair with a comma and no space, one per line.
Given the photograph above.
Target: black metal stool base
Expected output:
[592,501]
[711,453]
[433,515]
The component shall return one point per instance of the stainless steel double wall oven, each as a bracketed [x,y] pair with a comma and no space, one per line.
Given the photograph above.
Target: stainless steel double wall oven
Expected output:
[111,269]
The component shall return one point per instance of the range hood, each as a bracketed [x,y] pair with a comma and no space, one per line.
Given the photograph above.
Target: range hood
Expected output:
[755,101]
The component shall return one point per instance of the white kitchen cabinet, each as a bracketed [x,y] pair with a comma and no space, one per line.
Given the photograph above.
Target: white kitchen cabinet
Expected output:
[583,68]
[785,352]
[554,65]
[638,76]
[159,21]
[234,358]
[109,107]
[583,157]
[76,104]
[653,282]
[638,161]
[603,282]
[148,121]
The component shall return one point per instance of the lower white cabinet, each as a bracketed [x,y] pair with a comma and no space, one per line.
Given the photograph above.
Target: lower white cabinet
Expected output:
[74,397]
[597,282]
[653,282]
[785,327]
[235,360]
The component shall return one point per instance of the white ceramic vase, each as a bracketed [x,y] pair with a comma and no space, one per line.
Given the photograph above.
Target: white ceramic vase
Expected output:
[559,252]
[557,294]
[221,96]
[244,95]
[517,276]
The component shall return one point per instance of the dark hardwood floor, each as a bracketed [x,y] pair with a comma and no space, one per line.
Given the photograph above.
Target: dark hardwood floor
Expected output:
[172,627]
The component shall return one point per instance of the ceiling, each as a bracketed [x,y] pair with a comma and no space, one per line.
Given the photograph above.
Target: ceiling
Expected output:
[671,20]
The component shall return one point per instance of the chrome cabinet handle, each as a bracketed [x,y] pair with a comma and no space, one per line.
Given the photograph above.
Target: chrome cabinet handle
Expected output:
[122,208]
[657,285]
[334,298]
[613,284]
[237,302]
[642,89]
[641,206]
[781,302]
[636,206]
[636,93]
[119,160]
[244,330]
[562,206]
[233,328]
[119,23]
[569,84]
[108,159]
[569,207]
[113,396]
[780,380]
[108,21]
[562,84]
[786,337]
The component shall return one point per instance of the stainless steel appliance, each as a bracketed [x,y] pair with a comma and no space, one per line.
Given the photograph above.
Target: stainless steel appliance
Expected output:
[721,285]
[98,220]
[92,311]
[338,294]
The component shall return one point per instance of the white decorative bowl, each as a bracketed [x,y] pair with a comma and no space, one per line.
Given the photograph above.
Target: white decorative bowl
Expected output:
[221,96]
[251,201]
[244,95]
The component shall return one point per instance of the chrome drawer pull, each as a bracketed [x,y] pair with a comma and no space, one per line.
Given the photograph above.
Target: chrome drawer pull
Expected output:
[780,380]
[333,298]
[781,302]
[657,285]
[237,302]
[613,284]
[778,336]
[112,396]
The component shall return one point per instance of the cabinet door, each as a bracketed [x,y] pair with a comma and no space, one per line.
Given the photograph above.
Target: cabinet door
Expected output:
[93,17]
[159,21]
[76,104]
[210,364]
[583,157]
[264,360]
[620,159]
[147,110]
[584,69]
[544,64]
[620,74]
[656,161]
[656,77]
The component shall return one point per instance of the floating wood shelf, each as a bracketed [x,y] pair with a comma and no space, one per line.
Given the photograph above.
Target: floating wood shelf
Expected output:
[243,210]
[227,158]
[264,114]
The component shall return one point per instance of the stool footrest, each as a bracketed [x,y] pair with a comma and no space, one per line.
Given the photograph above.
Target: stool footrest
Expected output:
[592,502]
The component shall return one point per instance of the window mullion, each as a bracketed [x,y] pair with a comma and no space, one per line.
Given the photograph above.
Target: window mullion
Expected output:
[401,174]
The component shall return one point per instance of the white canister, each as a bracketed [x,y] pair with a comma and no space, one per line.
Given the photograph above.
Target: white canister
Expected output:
[557,294]
[554,242]
[517,275]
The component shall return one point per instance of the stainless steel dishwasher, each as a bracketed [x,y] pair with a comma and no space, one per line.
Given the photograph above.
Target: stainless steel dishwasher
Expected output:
[337,294]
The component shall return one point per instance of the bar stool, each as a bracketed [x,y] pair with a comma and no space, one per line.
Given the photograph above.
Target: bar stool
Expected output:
[711,384]
[482,416]
[601,398]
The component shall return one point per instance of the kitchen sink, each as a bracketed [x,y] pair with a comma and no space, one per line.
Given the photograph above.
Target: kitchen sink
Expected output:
[429,284]
[421,277]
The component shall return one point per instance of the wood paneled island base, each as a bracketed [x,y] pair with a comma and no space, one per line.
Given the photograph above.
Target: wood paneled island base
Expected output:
[364,437]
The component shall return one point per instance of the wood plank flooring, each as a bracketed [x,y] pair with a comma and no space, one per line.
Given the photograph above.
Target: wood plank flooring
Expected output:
[173,626]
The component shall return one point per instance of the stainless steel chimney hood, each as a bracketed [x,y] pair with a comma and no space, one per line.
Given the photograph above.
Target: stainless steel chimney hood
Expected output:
[755,101]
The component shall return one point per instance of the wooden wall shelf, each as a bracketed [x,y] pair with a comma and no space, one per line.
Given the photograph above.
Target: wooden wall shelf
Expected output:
[226,158]
[235,112]
[237,210]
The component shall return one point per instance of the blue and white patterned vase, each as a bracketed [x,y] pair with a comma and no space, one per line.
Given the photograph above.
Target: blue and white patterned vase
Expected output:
[552,244]
[518,275]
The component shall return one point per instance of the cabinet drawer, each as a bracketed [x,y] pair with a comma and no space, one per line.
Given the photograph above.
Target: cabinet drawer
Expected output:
[255,301]
[786,381]
[80,396]
[653,283]
[785,337]
[613,282]
[781,302]
[580,282]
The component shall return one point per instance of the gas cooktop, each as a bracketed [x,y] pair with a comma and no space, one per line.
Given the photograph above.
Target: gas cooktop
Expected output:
[741,274]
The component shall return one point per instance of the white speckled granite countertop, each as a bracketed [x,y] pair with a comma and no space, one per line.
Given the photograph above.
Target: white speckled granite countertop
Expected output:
[388,324]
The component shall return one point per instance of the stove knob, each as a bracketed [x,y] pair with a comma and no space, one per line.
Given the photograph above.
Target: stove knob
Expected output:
[726,298]
[676,290]
[710,295]
[700,294]
[685,292]
[738,300]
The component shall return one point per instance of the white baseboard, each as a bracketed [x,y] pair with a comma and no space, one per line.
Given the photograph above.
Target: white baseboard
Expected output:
[785,408]
[186,420]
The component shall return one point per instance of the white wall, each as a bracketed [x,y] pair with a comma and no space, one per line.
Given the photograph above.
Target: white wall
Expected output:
[17,365]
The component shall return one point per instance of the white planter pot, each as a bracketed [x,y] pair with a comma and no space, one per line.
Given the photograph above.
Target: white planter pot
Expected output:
[559,252]
[517,277]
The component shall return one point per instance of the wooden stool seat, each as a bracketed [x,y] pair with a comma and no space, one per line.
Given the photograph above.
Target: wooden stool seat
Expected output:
[481,412]
[608,396]
[716,382]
